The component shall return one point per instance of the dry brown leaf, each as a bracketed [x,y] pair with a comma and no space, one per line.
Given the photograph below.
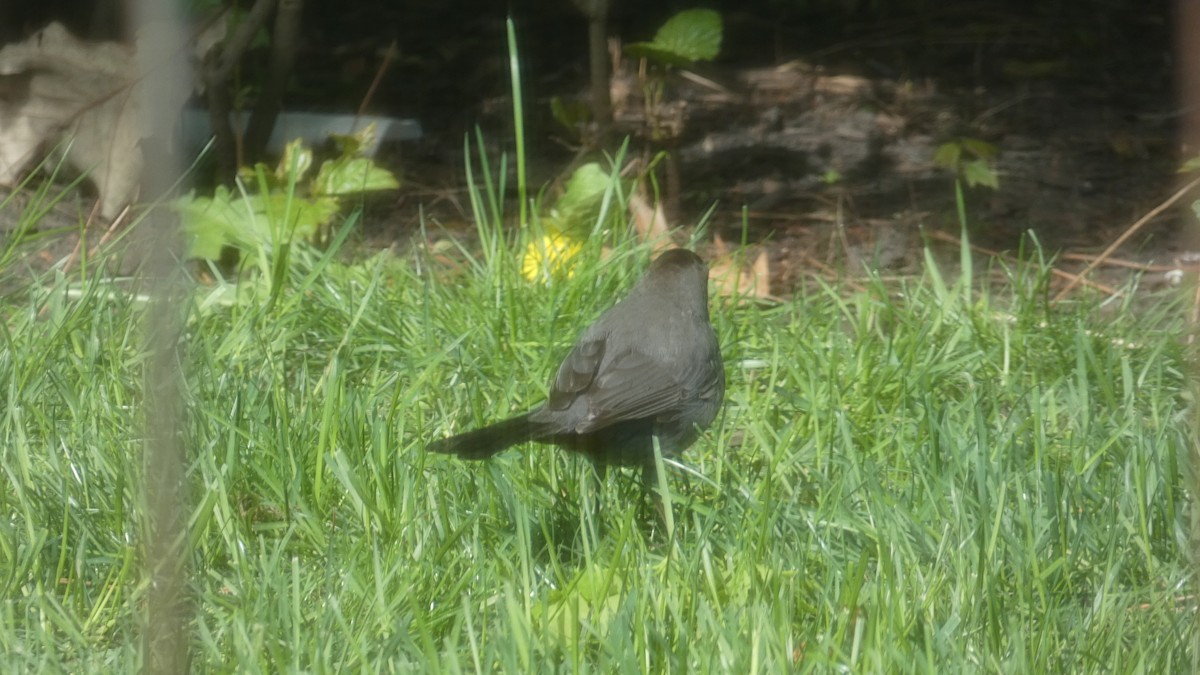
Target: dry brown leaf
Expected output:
[650,222]
[843,85]
[737,281]
[79,92]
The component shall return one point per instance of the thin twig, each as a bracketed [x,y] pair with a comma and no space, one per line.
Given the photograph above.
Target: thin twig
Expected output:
[1118,262]
[388,57]
[104,239]
[1126,235]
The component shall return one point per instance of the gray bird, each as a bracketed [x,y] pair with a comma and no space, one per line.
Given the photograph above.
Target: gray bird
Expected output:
[649,366]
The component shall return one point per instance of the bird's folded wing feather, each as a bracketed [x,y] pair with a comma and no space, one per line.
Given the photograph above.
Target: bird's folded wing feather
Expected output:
[576,373]
[631,385]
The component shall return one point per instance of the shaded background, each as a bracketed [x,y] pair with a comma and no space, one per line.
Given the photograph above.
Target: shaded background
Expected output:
[1078,97]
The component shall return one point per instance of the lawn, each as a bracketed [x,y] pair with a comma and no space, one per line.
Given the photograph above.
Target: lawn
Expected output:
[940,475]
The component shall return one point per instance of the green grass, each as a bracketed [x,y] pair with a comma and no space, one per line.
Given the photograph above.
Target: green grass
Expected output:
[931,477]
[935,477]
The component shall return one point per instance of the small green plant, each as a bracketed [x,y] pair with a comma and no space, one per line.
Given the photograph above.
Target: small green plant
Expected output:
[971,161]
[687,37]
[270,207]
[690,36]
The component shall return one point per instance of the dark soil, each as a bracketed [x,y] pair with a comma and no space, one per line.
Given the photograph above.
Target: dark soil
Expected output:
[814,135]
[825,155]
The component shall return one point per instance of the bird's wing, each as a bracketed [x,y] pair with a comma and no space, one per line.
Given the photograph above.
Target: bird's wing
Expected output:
[576,373]
[631,386]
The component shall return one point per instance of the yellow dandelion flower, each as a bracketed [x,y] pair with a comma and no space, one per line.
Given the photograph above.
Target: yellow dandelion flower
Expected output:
[550,258]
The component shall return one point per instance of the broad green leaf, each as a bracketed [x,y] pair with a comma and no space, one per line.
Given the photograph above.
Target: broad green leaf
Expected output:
[691,35]
[347,176]
[206,239]
[583,610]
[579,205]
[306,217]
[948,155]
[215,222]
[280,202]
[977,172]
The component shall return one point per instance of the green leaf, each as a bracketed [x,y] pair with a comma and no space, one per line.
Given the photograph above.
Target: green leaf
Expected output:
[213,223]
[583,610]
[205,238]
[977,172]
[306,217]
[691,35]
[276,206]
[580,204]
[295,162]
[347,176]
[948,155]
[246,222]
[981,149]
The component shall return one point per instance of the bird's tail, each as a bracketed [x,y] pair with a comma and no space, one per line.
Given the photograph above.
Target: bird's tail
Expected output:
[485,442]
